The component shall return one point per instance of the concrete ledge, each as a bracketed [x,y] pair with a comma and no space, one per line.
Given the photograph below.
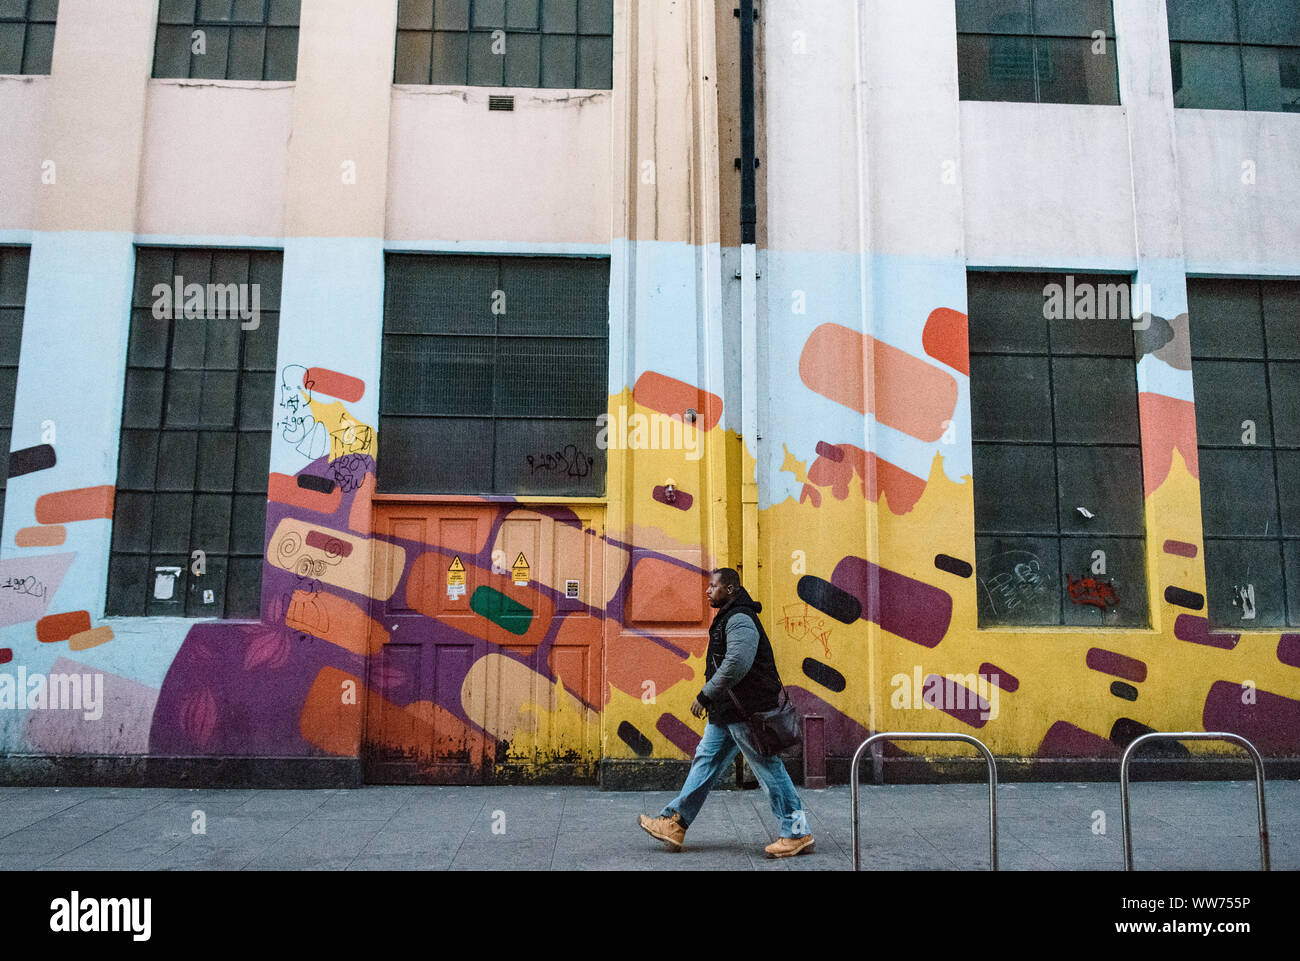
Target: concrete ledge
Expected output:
[649,775]
[20,770]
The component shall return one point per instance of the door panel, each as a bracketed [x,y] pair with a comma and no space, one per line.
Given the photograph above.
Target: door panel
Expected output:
[493,672]
[416,731]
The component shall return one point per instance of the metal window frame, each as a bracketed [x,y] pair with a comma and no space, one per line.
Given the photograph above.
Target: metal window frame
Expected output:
[7,250]
[1034,35]
[240,370]
[1049,354]
[27,20]
[1240,46]
[471,30]
[199,22]
[496,336]
[1281,540]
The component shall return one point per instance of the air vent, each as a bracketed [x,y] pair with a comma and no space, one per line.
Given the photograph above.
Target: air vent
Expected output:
[501,103]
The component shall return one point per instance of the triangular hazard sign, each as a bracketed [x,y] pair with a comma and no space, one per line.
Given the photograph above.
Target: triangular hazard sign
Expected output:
[456,566]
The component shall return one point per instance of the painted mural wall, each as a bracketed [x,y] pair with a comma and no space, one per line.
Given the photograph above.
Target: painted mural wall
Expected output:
[863,459]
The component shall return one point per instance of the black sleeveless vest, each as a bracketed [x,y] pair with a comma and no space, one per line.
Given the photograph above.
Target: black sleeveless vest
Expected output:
[760,689]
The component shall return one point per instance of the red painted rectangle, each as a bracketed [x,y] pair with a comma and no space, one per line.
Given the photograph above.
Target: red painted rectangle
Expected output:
[322,380]
[60,627]
[330,545]
[82,504]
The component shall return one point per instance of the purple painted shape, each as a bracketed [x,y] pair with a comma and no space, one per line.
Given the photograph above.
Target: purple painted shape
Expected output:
[677,732]
[1196,630]
[1004,679]
[912,609]
[213,703]
[1288,650]
[1063,739]
[1271,723]
[28,583]
[1117,665]
[1180,548]
[681,500]
[121,727]
[830,451]
[955,699]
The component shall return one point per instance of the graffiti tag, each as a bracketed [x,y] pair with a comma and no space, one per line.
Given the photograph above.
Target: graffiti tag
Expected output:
[1022,584]
[569,462]
[1089,590]
[803,623]
[23,585]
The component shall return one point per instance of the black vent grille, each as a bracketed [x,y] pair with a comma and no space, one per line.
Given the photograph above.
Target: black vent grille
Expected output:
[501,103]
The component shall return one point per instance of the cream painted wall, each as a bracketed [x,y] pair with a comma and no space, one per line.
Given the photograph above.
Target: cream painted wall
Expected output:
[340,119]
[1047,183]
[23,102]
[95,114]
[538,175]
[1225,218]
[215,159]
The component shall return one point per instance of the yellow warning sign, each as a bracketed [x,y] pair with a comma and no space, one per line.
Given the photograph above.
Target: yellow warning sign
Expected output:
[521,570]
[456,579]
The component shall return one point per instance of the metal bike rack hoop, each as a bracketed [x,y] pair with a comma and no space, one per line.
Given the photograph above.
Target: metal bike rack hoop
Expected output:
[1192,736]
[928,736]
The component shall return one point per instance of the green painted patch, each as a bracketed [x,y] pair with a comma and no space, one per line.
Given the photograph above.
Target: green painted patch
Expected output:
[501,610]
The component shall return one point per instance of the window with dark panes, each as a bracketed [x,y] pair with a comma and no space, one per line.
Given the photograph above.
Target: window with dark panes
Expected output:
[27,35]
[495,370]
[1235,54]
[506,43]
[227,39]
[1246,379]
[196,434]
[1059,508]
[13,297]
[1037,51]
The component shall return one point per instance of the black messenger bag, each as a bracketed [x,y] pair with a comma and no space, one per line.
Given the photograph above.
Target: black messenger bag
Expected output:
[773,731]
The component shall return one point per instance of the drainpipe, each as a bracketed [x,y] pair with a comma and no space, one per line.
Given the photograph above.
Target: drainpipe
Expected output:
[748,297]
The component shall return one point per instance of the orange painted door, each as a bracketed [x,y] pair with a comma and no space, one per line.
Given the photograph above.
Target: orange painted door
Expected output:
[544,678]
[421,682]
[492,670]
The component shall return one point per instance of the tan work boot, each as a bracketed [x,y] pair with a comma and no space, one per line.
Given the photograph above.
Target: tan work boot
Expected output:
[669,830]
[789,847]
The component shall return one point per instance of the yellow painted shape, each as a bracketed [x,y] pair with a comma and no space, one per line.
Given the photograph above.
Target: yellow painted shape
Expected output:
[347,435]
[536,715]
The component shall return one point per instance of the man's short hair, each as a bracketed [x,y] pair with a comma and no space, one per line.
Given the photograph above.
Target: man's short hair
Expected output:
[728,577]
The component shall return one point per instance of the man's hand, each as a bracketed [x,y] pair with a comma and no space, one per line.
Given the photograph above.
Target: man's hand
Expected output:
[697,709]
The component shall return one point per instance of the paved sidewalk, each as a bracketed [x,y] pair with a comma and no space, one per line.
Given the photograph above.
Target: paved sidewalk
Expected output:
[1196,825]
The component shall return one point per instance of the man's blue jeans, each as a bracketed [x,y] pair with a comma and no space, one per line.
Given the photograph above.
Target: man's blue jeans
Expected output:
[716,752]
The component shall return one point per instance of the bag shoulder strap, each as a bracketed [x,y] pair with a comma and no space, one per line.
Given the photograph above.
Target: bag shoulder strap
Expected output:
[736,701]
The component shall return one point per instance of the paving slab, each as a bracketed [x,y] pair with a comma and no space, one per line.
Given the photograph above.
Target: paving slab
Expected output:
[1182,826]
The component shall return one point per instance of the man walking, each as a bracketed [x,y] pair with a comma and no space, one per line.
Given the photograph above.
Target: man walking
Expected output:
[739,667]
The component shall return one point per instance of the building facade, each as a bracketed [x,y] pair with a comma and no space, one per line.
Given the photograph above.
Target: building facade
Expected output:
[429,354]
